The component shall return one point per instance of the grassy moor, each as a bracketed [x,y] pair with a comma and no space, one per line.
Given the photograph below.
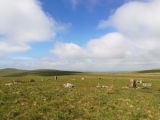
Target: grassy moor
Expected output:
[36,95]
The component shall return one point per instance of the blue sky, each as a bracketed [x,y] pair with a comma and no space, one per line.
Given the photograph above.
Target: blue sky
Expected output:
[80,35]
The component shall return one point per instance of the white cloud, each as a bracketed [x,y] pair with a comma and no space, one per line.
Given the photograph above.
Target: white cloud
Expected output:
[24,21]
[8,47]
[110,46]
[138,19]
[134,46]
[68,50]
[139,22]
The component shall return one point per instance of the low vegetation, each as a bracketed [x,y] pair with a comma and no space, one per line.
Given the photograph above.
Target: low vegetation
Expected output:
[36,95]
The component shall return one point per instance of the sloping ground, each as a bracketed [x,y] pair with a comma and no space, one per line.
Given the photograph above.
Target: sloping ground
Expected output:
[149,71]
[48,99]
[10,72]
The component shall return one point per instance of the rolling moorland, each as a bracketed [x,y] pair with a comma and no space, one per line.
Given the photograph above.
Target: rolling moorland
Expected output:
[36,95]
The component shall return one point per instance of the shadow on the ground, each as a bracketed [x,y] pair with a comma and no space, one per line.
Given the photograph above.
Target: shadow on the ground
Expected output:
[42,73]
[149,71]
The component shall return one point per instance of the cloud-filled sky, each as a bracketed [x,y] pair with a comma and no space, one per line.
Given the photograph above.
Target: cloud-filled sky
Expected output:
[80,35]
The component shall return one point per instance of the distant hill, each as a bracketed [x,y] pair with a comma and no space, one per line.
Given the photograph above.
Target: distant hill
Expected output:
[11,72]
[149,71]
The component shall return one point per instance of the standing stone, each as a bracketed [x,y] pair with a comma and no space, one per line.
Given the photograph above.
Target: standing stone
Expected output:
[133,83]
[56,77]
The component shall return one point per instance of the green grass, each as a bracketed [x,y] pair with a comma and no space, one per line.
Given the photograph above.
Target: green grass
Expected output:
[10,71]
[49,100]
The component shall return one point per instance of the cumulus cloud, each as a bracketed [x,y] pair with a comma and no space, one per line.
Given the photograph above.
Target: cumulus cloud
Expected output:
[141,17]
[68,50]
[139,22]
[8,47]
[134,46]
[22,22]
[101,47]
